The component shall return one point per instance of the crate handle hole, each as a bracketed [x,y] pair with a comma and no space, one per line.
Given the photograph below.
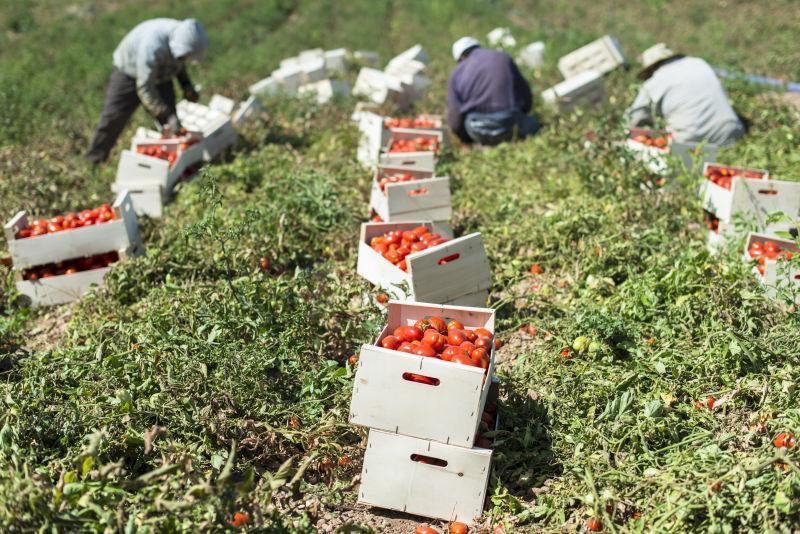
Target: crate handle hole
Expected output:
[421,379]
[448,259]
[407,162]
[418,192]
[428,460]
[143,165]
[767,192]
[797,276]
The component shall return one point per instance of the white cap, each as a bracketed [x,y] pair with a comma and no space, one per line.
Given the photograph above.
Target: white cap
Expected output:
[462,45]
[654,54]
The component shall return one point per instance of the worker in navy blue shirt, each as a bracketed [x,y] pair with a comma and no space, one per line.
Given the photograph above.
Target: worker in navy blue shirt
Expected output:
[488,100]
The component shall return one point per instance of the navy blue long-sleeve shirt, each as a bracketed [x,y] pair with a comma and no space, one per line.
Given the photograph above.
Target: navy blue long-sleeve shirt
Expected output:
[485,81]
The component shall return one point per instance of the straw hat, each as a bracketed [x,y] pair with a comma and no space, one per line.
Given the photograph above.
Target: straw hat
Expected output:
[652,58]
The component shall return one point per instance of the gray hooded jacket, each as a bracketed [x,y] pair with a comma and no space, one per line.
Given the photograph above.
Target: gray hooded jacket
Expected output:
[154,52]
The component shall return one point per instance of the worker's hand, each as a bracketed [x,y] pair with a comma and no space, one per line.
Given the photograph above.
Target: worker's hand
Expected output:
[191,95]
[171,127]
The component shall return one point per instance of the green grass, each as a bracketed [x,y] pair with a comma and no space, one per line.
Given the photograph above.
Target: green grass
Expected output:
[196,385]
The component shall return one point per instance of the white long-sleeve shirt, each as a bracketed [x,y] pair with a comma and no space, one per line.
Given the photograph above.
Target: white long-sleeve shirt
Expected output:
[687,93]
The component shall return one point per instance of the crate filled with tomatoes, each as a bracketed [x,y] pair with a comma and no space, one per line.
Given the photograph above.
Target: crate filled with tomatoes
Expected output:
[412,148]
[427,355]
[57,260]
[420,122]
[750,206]
[410,194]
[214,122]
[152,167]
[651,147]
[430,478]
[774,264]
[720,184]
[413,262]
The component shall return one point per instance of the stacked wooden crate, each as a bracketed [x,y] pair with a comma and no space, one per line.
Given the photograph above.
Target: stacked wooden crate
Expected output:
[424,415]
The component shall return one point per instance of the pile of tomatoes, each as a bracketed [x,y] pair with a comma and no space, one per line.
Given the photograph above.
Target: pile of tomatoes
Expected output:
[71,266]
[397,244]
[723,176]
[658,141]
[69,221]
[448,341]
[417,144]
[767,250]
[419,122]
[711,220]
[394,179]
[160,152]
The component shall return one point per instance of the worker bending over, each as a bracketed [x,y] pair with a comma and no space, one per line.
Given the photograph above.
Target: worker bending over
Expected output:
[145,62]
[488,100]
[686,92]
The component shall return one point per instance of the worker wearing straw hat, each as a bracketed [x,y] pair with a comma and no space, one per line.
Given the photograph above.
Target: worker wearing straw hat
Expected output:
[488,100]
[687,94]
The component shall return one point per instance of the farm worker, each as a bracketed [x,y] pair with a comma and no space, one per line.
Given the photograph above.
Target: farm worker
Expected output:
[686,92]
[145,62]
[488,100]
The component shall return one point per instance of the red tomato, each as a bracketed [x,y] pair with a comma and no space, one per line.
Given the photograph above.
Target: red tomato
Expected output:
[424,350]
[438,323]
[410,333]
[458,528]
[470,335]
[478,355]
[449,352]
[382,298]
[434,339]
[455,324]
[467,347]
[482,332]
[418,246]
[422,324]
[484,343]
[455,336]
[463,359]
[406,347]
[419,231]
[390,342]
[784,440]
[424,529]
[594,525]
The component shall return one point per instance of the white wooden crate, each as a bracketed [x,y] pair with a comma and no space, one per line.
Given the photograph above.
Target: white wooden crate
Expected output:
[325,90]
[148,199]
[215,125]
[779,276]
[719,200]
[425,199]
[384,399]
[464,281]
[220,103]
[373,137]
[654,158]
[378,86]
[603,55]
[393,477]
[415,53]
[436,120]
[267,86]
[61,289]
[583,89]
[120,234]
[335,61]
[419,160]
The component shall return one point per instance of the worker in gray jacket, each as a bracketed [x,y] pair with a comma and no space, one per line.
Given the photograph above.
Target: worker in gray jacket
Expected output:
[145,62]
[686,92]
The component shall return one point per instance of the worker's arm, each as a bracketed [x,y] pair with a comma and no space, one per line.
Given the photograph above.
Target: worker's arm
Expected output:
[146,87]
[522,90]
[641,111]
[455,119]
[189,92]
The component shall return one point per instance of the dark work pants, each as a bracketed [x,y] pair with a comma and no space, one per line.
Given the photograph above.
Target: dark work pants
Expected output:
[494,128]
[121,103]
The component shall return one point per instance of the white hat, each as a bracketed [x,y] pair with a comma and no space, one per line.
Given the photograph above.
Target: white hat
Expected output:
[462,45]
[654,54]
